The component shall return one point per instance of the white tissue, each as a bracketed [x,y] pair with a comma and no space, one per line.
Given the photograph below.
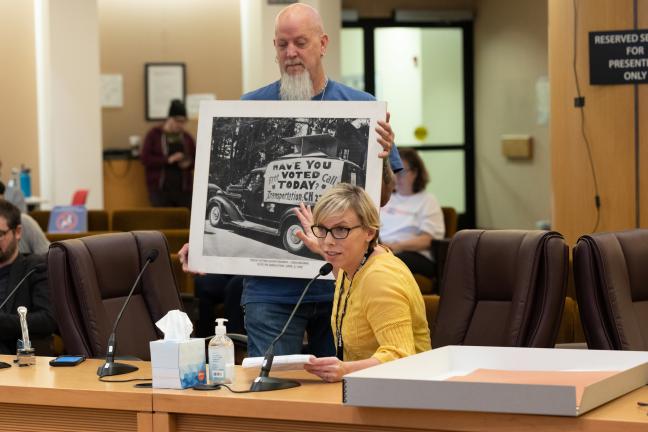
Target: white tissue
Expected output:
[175,325]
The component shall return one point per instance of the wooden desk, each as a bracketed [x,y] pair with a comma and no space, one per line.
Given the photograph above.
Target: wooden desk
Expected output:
[55,399]
[317,407]
[44,398]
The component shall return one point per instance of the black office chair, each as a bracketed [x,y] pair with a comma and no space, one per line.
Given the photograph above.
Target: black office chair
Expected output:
[90,278]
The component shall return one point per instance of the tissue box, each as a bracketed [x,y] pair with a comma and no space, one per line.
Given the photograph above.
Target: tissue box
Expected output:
[178,364]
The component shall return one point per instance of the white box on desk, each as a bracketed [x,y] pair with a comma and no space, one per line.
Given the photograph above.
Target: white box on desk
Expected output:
[419,381]
[178,364]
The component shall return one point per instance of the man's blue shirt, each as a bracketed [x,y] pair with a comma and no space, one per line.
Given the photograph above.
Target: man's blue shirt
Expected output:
[288,290]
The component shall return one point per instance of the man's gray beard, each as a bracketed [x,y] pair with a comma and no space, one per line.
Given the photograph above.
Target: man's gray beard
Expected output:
[296,87]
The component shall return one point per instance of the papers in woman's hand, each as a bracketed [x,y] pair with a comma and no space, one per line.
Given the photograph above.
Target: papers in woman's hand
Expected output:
[283,362]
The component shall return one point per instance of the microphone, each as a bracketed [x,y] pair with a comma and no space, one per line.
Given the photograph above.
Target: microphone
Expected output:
[264,382]
[110,367]
[37,268]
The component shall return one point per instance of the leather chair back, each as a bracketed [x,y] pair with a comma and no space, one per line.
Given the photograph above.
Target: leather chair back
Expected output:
[502,288]
[90,279]
[611,277]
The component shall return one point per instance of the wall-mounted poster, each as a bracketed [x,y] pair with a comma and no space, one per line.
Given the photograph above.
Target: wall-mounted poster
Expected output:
[256,161]
[163,82]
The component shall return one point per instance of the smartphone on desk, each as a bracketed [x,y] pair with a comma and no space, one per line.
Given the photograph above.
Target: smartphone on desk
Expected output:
[67,360]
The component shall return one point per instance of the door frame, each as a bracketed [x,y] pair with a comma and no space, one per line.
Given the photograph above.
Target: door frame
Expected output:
[368,25]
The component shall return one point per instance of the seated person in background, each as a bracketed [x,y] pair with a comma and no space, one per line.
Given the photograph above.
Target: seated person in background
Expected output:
[412,217]
[168,156]
[33,240]
[378,310]
[212,289]
[34,294]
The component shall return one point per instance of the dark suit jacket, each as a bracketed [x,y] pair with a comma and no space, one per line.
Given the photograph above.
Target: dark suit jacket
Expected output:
[34,295]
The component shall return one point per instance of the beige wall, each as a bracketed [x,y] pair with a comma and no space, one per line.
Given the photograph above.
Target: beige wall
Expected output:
[204,34]
[18,115]
[510,56]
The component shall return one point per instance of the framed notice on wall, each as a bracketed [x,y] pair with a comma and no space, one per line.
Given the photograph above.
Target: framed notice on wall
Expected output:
[163,82]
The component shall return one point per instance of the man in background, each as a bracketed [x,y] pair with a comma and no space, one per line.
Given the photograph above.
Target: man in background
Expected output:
[33,294]
[33,240]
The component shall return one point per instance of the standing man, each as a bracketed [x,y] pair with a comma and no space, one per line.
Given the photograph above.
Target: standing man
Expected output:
[34,294]
[300,43]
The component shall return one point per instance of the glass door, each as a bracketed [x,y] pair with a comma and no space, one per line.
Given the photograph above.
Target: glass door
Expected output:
[424,72]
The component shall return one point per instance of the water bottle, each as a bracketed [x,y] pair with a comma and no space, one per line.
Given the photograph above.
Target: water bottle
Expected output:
[221,356]
[13,193]
[25,181]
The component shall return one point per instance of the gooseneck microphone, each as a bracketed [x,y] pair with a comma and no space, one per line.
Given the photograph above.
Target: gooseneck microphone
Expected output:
[36,268]
[264,382]
[110,367]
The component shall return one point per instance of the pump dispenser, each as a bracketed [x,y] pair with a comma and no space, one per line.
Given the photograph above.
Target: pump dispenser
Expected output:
[221,356]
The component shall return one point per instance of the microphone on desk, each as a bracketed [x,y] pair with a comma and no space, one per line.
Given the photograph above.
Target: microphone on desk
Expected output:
[264,382]
[37,268]
[110,367]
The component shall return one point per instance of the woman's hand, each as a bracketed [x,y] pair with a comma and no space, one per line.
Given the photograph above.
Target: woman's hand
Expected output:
[183,256]
[330,369]
[305,216]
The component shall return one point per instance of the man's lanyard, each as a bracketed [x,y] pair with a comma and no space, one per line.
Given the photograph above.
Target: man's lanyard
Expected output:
[339,320]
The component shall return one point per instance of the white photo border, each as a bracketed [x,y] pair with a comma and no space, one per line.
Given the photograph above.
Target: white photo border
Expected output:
[300,268]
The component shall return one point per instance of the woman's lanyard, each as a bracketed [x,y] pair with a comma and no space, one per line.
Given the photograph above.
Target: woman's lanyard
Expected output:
[339,320]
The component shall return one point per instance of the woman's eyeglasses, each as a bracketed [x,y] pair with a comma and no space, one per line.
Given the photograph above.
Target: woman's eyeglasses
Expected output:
[338,233]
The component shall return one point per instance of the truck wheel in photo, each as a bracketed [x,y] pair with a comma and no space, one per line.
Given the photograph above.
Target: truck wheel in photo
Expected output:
[215,215]
[289,238]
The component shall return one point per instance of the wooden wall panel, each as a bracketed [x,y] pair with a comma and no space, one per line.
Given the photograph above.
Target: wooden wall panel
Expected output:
[124,184]
[609,124]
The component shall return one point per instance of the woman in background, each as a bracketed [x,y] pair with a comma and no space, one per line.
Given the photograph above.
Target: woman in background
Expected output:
[168,156]
[412,217]
[378,311]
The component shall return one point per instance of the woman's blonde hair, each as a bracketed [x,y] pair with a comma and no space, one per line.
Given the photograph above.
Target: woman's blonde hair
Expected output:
[345,196]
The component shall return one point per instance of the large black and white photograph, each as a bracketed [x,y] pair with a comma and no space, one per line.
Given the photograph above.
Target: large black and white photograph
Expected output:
[253,170]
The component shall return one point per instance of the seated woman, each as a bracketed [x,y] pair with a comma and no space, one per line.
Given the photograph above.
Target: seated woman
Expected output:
[412,217]
[378,311]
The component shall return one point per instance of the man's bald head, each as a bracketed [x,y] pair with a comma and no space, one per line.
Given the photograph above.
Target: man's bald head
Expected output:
[301,13]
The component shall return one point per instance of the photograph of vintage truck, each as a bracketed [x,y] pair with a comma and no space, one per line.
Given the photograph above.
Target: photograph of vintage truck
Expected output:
[262,168]
[257,161]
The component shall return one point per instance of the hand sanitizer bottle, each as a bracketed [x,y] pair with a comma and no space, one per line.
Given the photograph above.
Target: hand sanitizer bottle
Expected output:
[221,356]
